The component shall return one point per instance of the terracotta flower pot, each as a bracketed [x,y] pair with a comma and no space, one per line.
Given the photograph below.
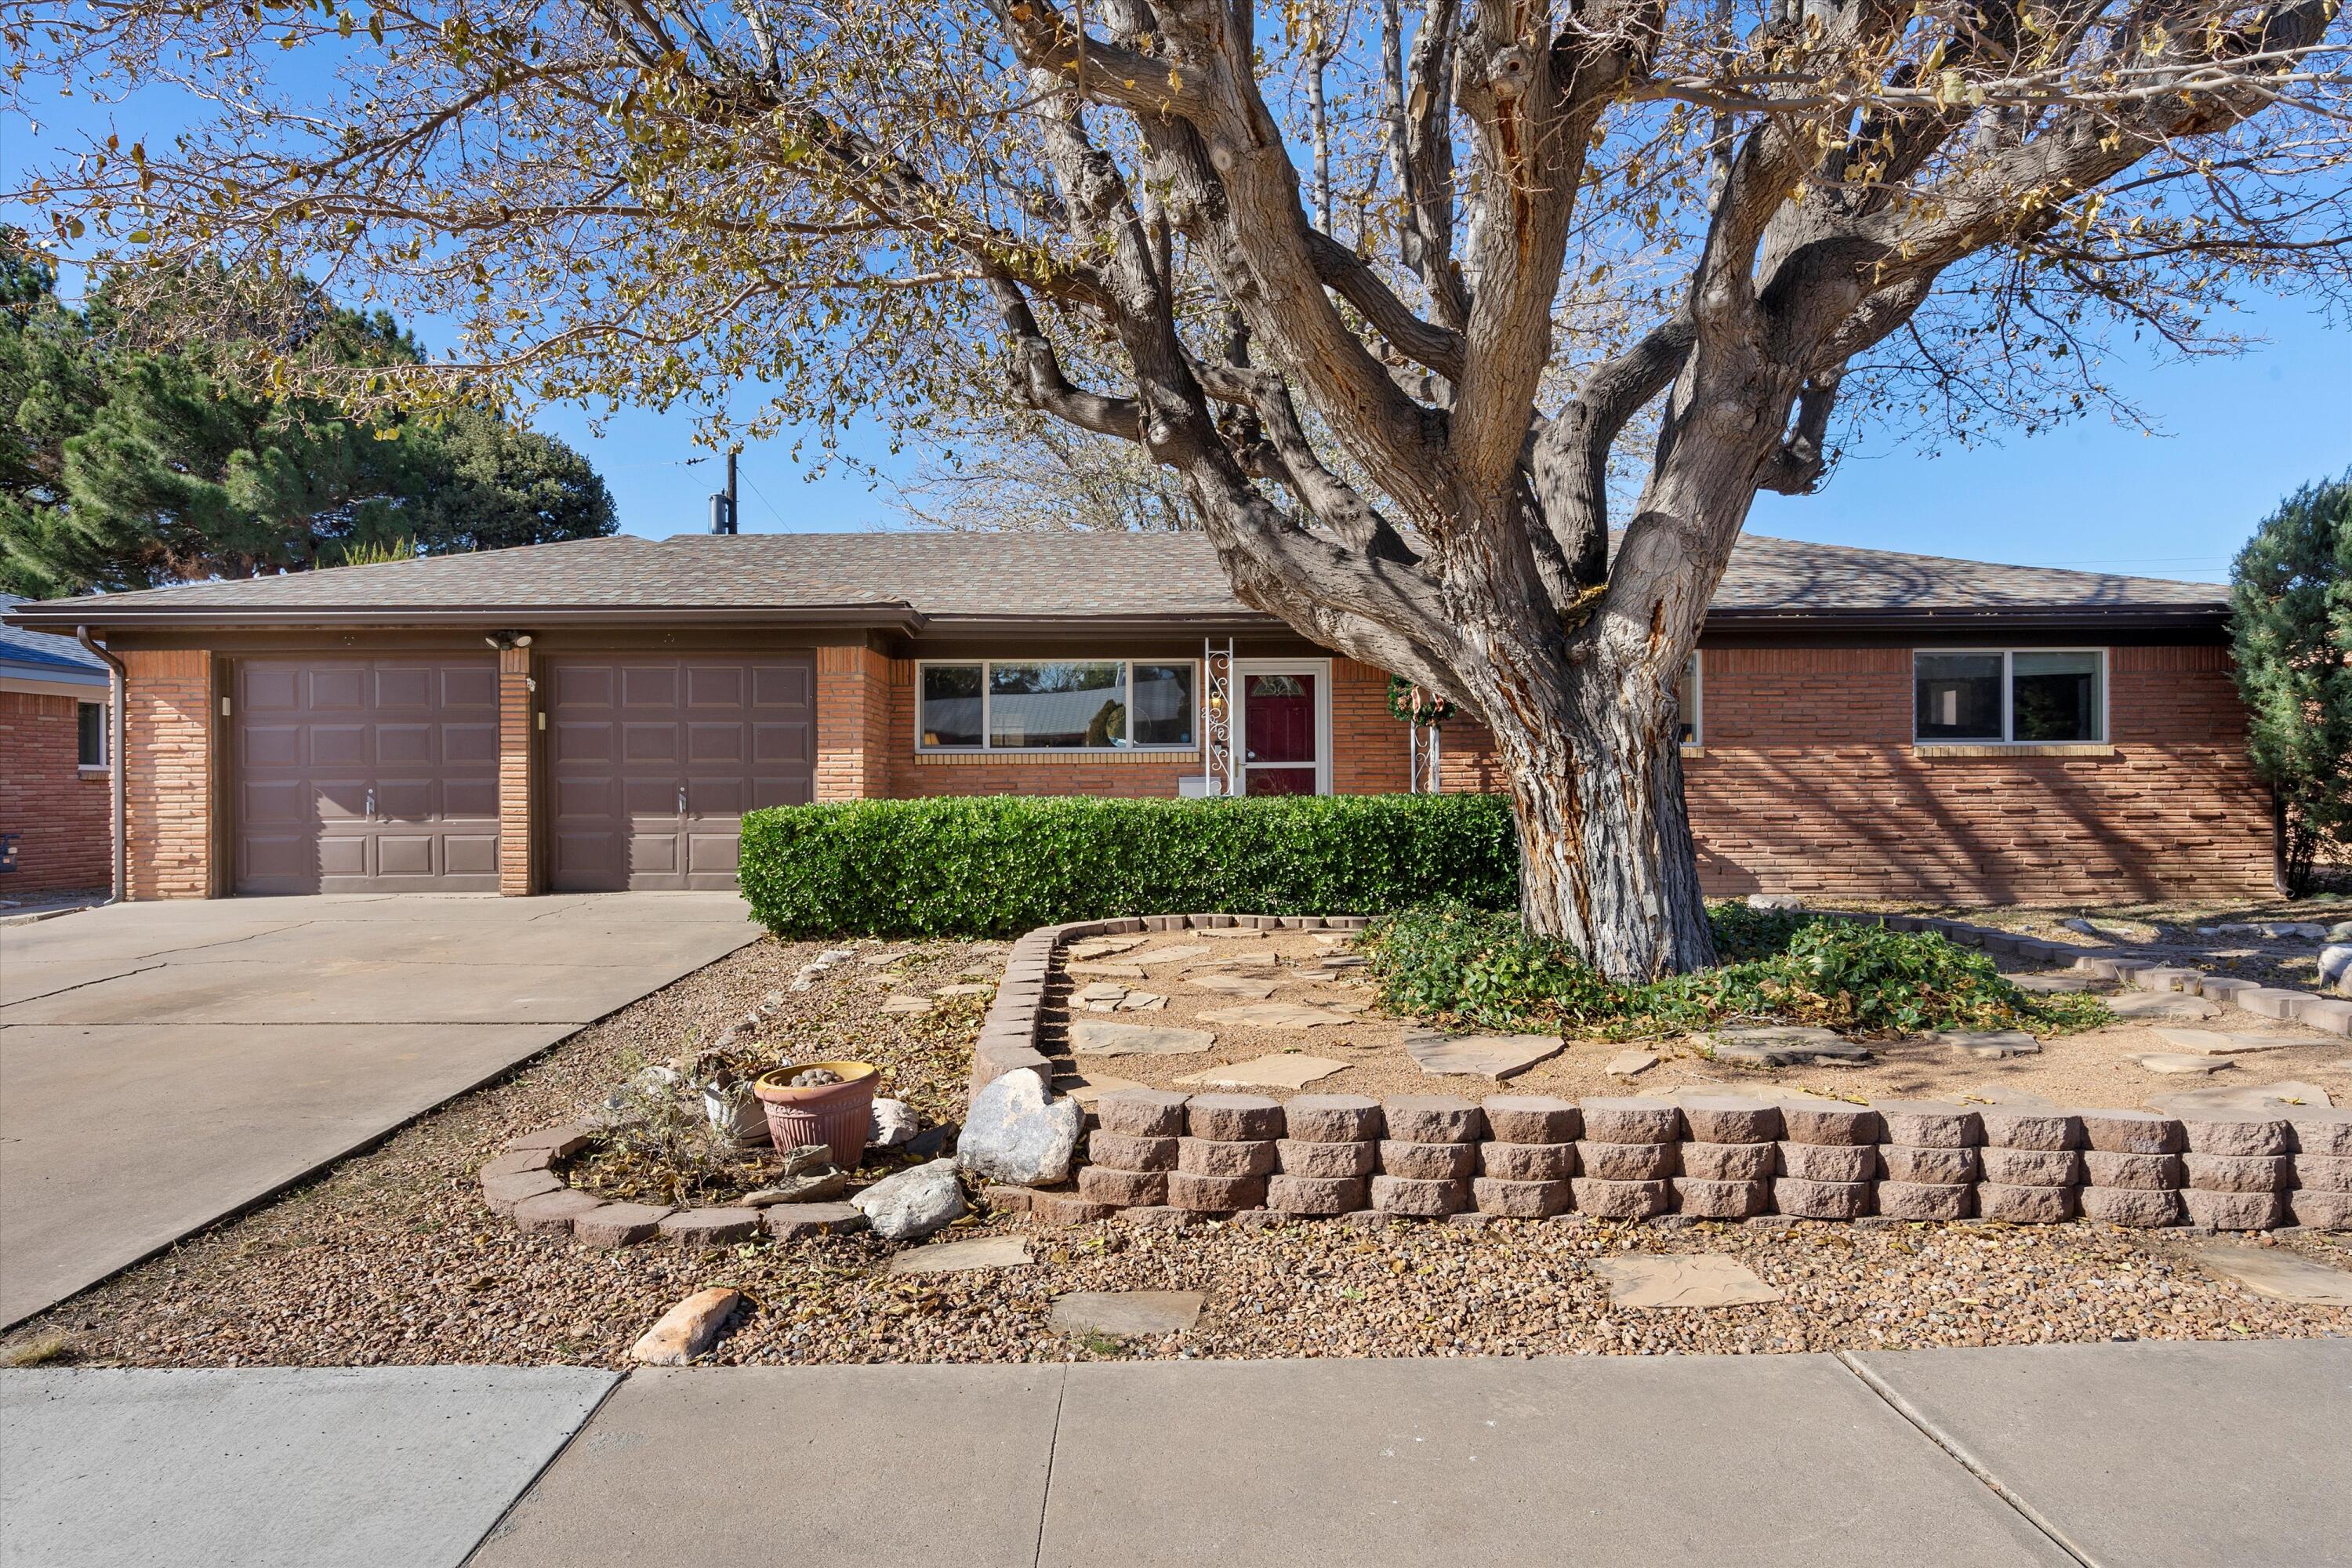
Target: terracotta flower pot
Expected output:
[835,1114]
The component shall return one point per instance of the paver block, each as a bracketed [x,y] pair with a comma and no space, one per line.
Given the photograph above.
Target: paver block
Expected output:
[2236,1132]
[1632,1119]
[1627,1162]
[619,1224]
[2033,1167]
[1214,1194]
[1926,1200]
[2324,1173]
[1729,1162]
[1531,1119]
[1142,1112]
[2131,1132]
[1520,1200]
[2168,977]
[503,1193]
[1926,1167]
[1822,1200]
[1232,1118]
[2235,1211]
[554,1211]
[2271,1002]
[568,1139]
[2143,1173]
[712,1228]
[1621,1200]
[1729,1118]
[2321,1210]
[2026,1205]
[1428,1161]
[1004,1197]
[2329,1013]
[2320,1130]
[1830,1125]
[1330,1162]
[1156,1216]
[1122,1189]
[2143,1207]
[2240,1172]
[1433,1119]
[1213,1157]
[2016,1127]
[519,1162]
[1124,1151]
[1408,1196]
[1527,1162]
[1704,1199]
[1332,1117]
[1287,1194]
[1930,1124]
[1069,1208]
[1835,1163]
[2222,987]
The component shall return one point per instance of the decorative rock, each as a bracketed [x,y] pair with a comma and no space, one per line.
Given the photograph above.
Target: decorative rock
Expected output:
[1778,1046]
[2026,1205]
[1433,1119]
[1328,1162]
[1122,1153]
[1729,1118]
[1817,1123]
[1018,1133]
[893,1122]
[1141,1112]
[2033,1167]
[2143,1207]
[2144,1173]
[1632,1120]
[1123,1314]
[2234,1211]
[568,1139]
[1428,1161]
[2324,1173]
[2239,1172]
[1631,1064]
[810,1187]
[1209,1157]
[712,1228]
[1095,1037]
[801,1222]
[1520,1200]
[2131,1132]
[1527,1162]
[1822,1200]
[1064,1208]
[1930,1124]
[1729,1162]
[1704,1199]
[2225,1132]
[1925,1167]
[1289,1194]
[1332,1119]
[1215,1194]
[503,1193]
[1837,1165]
[687,1330]
[2316,1210]
[1532,1118]
[1122,1189]
[1701,1279]
[1606,1199]
[1232,1118]
[1926,1200]
[1626,1161]
[962,1257]
[913,1203]
[619,1224]
[1410,1195]
[521,1162]
[2020,1127]
[1495,1056]
[1775,902]
[554,1211]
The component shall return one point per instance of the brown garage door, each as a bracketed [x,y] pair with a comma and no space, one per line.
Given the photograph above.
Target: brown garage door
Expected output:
[367,776]
[652,762]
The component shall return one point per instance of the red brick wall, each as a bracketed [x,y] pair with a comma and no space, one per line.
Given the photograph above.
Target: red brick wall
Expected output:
[517,775]
[61,816]
[1807,781]
[1371,748]
[852,723]
[168,775]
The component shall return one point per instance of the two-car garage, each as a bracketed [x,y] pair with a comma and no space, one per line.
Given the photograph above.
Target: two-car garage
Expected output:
[382,774]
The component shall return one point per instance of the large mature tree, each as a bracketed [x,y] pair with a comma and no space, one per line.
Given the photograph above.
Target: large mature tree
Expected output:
[1382,288]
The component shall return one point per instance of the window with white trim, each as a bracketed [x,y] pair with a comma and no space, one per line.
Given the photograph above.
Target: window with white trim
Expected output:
[1688,701]
[2013,697]
[1059,705]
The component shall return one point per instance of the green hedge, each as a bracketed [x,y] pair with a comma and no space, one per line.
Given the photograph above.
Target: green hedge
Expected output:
[1000,865]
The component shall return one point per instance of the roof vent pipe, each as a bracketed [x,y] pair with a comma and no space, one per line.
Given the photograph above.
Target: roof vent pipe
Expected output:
[723,514]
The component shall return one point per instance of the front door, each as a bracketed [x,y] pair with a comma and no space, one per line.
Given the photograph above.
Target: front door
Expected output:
[1283,730]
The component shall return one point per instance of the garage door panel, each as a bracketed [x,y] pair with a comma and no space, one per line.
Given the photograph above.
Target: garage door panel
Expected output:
[470,800]
[780,789]
[399,686]
[653,854]
[579,687]
[650,796]
[336,689]
[650,742]
[404,745]
[718,797]
[346,857]
[573,741]
[649,686]
[781,743]
[576,798]
[782,685]
[276,805]
[273,689]
[719,686]
[471,853]
[405,855]
[336,746]
[712,743]
[407,800]
[577,853]
[469,742]
[468,685]
[275,855]
[713,854]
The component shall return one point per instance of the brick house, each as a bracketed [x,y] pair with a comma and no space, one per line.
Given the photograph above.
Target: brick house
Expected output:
[598,714]
[56,826]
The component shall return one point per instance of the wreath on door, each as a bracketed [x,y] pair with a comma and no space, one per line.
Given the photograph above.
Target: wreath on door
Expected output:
[1411,704]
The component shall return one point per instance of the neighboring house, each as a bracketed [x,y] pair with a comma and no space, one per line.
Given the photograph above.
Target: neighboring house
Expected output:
[599,714]
[56,824]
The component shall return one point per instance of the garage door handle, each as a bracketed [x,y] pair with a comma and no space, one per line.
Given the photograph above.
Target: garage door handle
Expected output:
[371,803]
[681,800]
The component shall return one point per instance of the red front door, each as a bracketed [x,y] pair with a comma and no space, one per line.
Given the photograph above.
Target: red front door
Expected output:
[1278,733]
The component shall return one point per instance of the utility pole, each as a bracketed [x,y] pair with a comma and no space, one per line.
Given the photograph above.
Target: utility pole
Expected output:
[723,511]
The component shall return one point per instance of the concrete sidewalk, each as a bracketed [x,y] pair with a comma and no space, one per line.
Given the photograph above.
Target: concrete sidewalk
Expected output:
[266,1038]
[2138,1454]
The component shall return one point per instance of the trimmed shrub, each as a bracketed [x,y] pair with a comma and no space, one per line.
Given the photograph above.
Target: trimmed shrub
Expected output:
[1000,865]
[1457,964]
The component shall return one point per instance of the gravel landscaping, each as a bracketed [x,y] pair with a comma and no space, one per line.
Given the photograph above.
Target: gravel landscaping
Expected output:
[393,1258]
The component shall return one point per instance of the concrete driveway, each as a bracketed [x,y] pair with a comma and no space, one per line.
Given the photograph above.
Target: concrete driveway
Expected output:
[164,1064]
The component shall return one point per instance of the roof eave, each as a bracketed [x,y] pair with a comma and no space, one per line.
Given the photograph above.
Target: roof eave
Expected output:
[59,613]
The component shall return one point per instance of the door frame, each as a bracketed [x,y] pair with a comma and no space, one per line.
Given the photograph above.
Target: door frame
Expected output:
[1320,669]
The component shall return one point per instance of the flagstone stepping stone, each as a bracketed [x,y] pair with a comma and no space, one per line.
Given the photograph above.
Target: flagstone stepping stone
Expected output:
[1262,960]
[2065,980]
[1125,1313]
[1104,946]
[1170,954]
[1780,1045]
[2182,1062]
[1627,1064]
[1275,1015]
[1232,985]
[876,960]
[1700,1280]
[1107,970]
[2243,1096]
[2279,1274]
[1088,1088]
[965,989]
[1992,1043]
[1288,1069]
[1090,1038]
[1496,1057]
[2212,1043]
[1231,933]
[1142,1001]
[961,1256]
[1100,991]
[2161,1005]
[911,1006]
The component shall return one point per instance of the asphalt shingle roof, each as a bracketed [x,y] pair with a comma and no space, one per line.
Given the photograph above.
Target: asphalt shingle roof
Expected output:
[1078,576]
[46,649]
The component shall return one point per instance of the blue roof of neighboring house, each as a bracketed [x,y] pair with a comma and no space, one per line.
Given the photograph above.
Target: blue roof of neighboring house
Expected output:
[45,653]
